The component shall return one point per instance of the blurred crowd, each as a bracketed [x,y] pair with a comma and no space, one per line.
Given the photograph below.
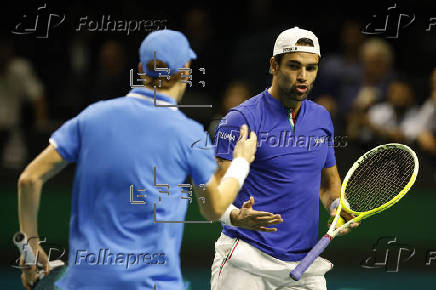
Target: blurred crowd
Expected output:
[370,101]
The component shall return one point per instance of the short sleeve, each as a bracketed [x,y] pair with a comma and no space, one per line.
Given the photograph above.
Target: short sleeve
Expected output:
[201,159]
[66,140]
[227,134]
[331,157]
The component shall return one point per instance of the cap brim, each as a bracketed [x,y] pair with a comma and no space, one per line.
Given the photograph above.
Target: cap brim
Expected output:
[192,54]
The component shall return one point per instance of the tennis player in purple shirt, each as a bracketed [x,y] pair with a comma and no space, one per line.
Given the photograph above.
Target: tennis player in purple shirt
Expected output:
[294,168]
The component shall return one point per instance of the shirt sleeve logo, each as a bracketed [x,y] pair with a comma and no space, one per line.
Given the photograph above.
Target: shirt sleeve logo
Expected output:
[226,136]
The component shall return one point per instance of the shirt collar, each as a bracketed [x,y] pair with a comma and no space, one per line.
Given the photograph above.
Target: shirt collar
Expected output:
[277,104]
[148,94]
[273,101]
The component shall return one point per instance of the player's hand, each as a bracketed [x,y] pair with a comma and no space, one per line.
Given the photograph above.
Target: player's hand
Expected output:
[346,216]
[29,275]
[251,219]
[245,148]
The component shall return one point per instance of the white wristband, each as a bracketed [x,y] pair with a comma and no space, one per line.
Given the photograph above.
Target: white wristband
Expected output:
[225,218]
[239,170]
[334,204]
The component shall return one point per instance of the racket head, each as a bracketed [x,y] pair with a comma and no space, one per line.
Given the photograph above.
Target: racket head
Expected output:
[378,179]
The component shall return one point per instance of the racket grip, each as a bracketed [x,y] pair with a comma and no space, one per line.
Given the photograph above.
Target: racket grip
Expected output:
[310,257]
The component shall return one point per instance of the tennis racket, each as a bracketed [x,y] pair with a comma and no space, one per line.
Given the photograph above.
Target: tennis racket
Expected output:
[57,267]
[375,182]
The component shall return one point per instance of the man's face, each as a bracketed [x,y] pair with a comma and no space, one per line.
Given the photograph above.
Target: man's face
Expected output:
[296,75]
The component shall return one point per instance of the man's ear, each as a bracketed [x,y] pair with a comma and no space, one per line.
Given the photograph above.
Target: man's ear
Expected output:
[187,65]
[273,65]
[140,69]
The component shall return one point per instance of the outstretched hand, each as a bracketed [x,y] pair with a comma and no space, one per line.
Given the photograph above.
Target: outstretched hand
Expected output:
[251,219]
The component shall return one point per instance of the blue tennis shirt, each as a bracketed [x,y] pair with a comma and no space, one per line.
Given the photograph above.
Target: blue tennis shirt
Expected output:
[285,176]
[118,146]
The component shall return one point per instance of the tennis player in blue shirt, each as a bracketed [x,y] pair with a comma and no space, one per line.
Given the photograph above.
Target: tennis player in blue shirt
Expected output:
[294,160]
[131,158]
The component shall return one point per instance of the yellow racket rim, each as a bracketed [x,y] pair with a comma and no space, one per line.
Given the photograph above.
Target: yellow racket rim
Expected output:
[366,214]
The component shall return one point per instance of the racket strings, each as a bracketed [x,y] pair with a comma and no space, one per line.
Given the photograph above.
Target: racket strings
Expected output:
[379,178]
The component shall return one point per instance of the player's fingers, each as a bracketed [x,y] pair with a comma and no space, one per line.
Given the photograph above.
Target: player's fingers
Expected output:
[264,229]
[355,225]
[347,216]
[249,203]
[43,259]
[347,229]
[343,231]
[28,270]
[268,217]
[24,282]
[333,213]
[268,223]
[243,132]
[252,145]
[258,214]
[274,222]
[253,137]
[46,267]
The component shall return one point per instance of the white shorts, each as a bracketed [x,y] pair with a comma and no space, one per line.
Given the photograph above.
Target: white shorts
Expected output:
[240,266]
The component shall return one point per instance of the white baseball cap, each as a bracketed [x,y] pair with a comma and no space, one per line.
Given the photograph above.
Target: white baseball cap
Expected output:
[286,42]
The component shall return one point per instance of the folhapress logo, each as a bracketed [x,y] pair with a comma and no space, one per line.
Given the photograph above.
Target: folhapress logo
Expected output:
[106,23]
[388,254]
[320,140]
[393,20]
[44,20]
[106,257]
[39,24]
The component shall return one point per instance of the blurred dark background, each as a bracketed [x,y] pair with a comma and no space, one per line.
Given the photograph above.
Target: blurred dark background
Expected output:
[378,88]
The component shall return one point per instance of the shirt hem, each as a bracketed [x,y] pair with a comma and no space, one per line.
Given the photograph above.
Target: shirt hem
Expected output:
[285,258]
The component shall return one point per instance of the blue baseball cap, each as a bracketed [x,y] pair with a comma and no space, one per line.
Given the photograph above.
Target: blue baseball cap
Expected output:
[171,47]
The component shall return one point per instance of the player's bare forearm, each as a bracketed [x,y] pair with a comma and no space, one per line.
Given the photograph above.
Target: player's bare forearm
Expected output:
[206,208]
[222,166]
[30,183]
[330,186]
[29,192]
[222,192]
[220,196]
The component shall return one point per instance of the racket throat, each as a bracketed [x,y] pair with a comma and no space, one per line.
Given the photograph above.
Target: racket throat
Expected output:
[328,236]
